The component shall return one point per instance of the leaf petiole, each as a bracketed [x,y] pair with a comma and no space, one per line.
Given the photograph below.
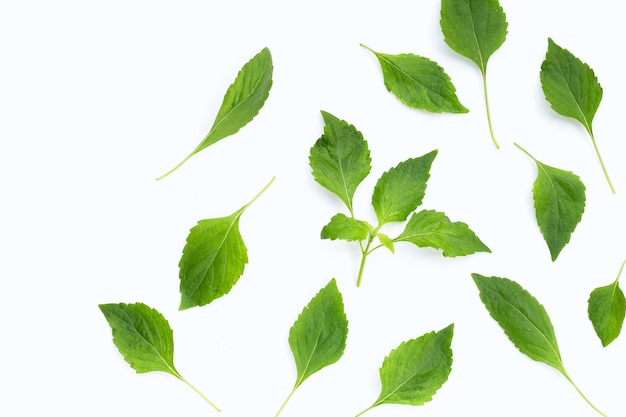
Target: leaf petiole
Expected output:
[606,174]
[581,393]
[179,376]
[493,137]
[280,410]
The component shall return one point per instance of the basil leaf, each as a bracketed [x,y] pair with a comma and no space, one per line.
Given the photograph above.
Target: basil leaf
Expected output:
[475,29]
[213,258]
[242,102]
[386,241]
[346,228]
[419,82]
[607,309]
[572,89]
[340,159]
[416,369]
[400,190]
[559,198]
[430,228]
[145,339]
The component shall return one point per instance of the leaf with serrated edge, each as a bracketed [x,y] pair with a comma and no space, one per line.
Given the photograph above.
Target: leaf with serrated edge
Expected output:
[242,102]
[346,228]
[416,369]
[386,241]
[607,309]
[430,228]
[400,190]
[213,258]
[559,198]
[419,82]
[340,159]
[145,339]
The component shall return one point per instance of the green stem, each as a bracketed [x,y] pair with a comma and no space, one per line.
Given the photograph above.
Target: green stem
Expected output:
[199,393]
[525,151]
[364,253]
[583,395]
[606,174]
[619,274]
[259,193]
[176,167]
[366,410]
[493,137]
[286,401]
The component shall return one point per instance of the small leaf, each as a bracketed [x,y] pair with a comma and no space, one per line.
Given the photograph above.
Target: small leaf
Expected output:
[318,337]
[559,198]
[430,228]
[386,241]
[419,82]
[522,318]
[346,228]
[474,28]
[416,369]
[607,309]
[340,159]
[213,259]
[242,102]
[400,190]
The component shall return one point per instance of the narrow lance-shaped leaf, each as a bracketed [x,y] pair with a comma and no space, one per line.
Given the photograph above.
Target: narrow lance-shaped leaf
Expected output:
[213,258]
[340,159]
[559,198]
[607,309]
[524,320]
[572,89]
[242,102]
[318,337]
[475,29]
[416,369]
[400,190]
[419,82]
[145,339]
[430,228]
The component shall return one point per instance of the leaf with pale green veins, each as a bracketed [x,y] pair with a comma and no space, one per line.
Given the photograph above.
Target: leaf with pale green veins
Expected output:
[213,258]
[559,198]
[340,159]
[525,322]
[346,228]
[242,102]
[400,190]
[416,369]
[419,82]
[430,228]
[144,338]
[572,89]
[475,29]
[318,337]
[607,309]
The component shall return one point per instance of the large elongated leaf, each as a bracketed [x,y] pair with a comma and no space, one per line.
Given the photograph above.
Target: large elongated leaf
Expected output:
[318,337]
[340,159]
[474,28]
[430,228]
[419,82]
[559,198]
[400,190]
[213,259]
[242,102]
[416,369]
[523,319]
[346,228]
[607,309]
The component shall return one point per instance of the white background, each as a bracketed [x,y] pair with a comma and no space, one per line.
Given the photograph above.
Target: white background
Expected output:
[97,99]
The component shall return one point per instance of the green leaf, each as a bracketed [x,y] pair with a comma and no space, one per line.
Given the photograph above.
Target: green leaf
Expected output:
[340,159]
[522,317]
[419,82]
[318,337]
[346,228]
[145,339]
[572,89]
[607,309]
[242,102]
[213,258]
[386,241]
[400,190]
[475,29]
[430,228]
[559,198]
[416,369]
